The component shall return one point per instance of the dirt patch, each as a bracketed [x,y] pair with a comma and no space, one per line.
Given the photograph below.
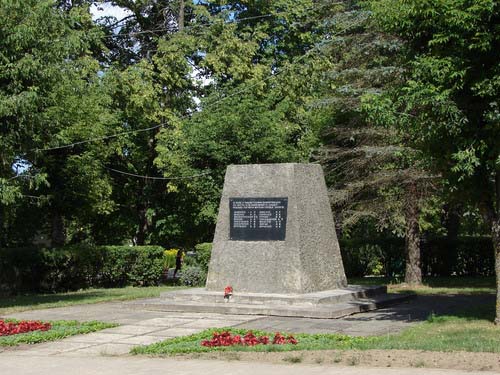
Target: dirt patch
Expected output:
[372,358]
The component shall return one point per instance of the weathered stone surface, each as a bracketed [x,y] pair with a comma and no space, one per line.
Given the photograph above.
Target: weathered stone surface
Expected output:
[333,304]
[308,260]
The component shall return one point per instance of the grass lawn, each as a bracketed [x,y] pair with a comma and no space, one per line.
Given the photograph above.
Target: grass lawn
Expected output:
[9,305]
[444,333]
[60,329]
[433,285]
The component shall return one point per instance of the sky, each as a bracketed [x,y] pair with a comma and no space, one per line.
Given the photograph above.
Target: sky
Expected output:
[106,9]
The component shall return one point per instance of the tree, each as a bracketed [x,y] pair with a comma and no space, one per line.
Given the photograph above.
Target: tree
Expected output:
[246,113]
[150,75]
[374,178]
[50,93]
[450,96]
[249,129]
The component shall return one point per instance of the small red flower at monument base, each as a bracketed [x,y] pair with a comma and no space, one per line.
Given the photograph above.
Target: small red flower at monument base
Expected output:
[228,292]
[249,339]
[11,328]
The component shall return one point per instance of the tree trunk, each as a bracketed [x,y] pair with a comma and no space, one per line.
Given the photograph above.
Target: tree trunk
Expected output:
[3,232]
[452,221]
[413,273]
[142,228]
[58,232]
[452,225]
[495,237]
[180,20]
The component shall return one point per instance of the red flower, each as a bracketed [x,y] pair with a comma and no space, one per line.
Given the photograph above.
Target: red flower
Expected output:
[249,339]
[9,328]
[264,340]
[228,290]
[291,340]
[279,339]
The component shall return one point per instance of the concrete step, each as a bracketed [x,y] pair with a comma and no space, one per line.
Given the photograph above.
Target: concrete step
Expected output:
[350,293]
[324,311]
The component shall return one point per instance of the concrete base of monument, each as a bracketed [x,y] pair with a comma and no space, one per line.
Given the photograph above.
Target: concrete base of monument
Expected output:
[327,304]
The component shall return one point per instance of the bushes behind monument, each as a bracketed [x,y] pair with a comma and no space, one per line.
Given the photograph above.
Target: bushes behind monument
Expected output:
[74,267]
[79,266]
[194,273]
[465,256]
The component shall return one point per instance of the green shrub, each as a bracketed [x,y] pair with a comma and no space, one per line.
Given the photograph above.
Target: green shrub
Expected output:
[193,276]
[116,264]
[203,253]
[467,256]
[79,266]
[20,269]
[147,268]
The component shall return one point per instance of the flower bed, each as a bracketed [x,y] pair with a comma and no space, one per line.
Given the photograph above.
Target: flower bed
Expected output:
[14,328]
[249,339]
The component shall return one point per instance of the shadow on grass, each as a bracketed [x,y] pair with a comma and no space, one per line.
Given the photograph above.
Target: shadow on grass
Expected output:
[451,282]
[32,301]
[470,307]
[471,298]
[39,299]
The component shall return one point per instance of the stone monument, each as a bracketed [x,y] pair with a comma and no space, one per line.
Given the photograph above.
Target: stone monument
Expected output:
[275,245]
[275,232]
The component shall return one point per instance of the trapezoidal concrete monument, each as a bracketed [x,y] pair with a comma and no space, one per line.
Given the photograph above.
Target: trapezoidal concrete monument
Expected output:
[275,232]
[275,245]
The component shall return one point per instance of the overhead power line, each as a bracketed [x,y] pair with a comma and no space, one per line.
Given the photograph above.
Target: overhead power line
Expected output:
[97,139]
[207,24]
[159,178]
[191,27]
[208,106]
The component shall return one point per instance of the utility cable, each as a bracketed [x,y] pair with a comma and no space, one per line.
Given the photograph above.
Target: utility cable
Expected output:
[207,24]
[96,139]
[159,178]
[208,106]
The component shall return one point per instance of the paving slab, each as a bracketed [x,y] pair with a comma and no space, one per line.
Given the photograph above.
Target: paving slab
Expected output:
[141,340]
[162,322]
[53,348]
[132,330]
[109,349]
[176,332]
[210,323]
[97,337]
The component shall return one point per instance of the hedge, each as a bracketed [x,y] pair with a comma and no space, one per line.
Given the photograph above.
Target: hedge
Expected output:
[467,256]
[77,267]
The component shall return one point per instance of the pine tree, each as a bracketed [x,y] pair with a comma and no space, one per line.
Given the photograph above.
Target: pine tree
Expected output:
[374,176]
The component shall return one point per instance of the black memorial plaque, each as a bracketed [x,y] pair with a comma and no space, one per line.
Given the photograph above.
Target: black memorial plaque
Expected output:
[257,219]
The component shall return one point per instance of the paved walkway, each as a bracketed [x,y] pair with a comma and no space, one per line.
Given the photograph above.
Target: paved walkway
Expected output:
[137,328]
[36,365]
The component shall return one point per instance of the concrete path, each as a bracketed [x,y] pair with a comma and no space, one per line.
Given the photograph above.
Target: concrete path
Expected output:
[11,364]
[138,328]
